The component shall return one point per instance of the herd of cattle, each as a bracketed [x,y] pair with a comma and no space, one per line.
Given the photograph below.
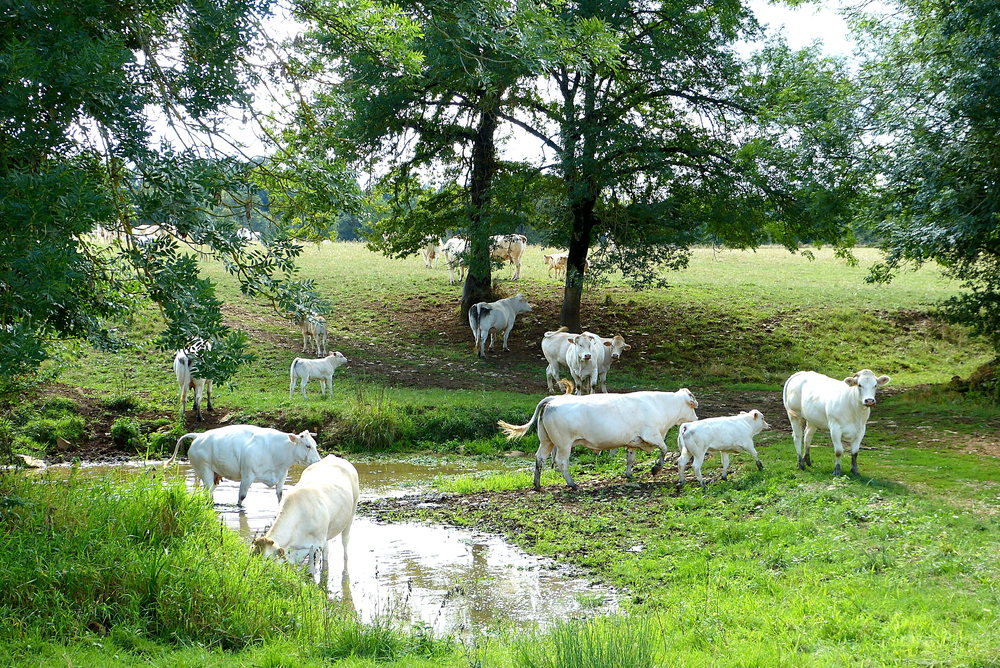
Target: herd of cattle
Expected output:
[322,505]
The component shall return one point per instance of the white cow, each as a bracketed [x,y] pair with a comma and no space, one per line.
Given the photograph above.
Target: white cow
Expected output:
[509,247]
[732,434]
[557,262]
[184,370]
[247,454]
[486,318]
[813,400]
[453,252]
[313,327]
[322,369]
[554,345]
[430,252]
[637,420]
[320,507]
[583,357]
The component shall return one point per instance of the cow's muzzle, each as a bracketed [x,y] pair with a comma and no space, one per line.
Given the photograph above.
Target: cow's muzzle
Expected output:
[869,402]
[586,357]
[614,358]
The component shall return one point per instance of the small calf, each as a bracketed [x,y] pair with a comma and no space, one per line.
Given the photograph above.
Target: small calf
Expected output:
[313,328]
[732,434]
[322,369]
[557,262]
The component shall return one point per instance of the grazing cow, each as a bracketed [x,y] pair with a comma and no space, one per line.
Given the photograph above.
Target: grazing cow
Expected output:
[638,420]
[733,434]
[509,247]
[453,252]
[314,330]
[320,507]
[813,400]
[185,370]
[557,262]
[430,252]
[582,357]
[322,369]
[554,346]
[487,318]
[247,454]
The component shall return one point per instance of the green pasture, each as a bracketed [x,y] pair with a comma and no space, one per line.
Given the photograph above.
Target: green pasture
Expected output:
[779,567]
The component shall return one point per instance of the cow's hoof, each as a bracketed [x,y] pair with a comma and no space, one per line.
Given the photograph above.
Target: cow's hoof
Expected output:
[855,471]
[538,488]
[808,460]
[656,469]
[703,485]
[760,467]
[802,465]
[837,471]
[573,488]
[725,477]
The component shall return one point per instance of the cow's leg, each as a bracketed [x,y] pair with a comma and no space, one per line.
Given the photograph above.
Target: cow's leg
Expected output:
[199,388]
[838,447]
[244,488]
[544,449]
[807,439]
[797,424]
[208,394]
[303,380]
[184,396]
[753,453]
[291,386]
[517,270]
[602,380]
[725,466]
[629,461]
[506,334]
[206,476]
[552,377]
[279,489]
[682,463]
[855,449]
[699,459]
[562,460]
[654,437]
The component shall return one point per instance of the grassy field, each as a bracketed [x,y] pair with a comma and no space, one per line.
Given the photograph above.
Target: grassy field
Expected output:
[779,567]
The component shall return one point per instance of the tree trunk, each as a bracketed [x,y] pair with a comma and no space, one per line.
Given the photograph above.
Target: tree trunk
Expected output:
[579,244]
[479,282]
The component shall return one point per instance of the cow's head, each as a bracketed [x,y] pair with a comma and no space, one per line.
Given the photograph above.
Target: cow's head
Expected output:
[756,419]
[690,402]
[306,451]
[618,346]
[338,358]
[521,304]
[266,547]
[586,346]
[866,382]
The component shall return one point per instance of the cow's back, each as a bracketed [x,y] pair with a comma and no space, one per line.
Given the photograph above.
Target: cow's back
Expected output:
[814,397]
[554,346]
[608,420]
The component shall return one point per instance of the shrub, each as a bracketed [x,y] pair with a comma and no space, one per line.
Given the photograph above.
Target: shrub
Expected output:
[58,406]
[6,439]
[591,644]
[45,431]
[126,434]
[375,422]
[123,403]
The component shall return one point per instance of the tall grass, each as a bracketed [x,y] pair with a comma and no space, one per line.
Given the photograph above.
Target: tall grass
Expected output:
[602,643]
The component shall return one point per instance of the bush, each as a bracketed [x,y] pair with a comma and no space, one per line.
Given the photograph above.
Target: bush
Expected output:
[45,431]
[375,422]
[127,434]
[7,435]
[123,403]
[58,407]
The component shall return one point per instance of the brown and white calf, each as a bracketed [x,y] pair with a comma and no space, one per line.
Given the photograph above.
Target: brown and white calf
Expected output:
[313,327]
[509,247]
[815,401]
[185,370]
[556,262]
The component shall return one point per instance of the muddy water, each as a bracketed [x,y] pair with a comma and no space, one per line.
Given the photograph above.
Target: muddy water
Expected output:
[448,580]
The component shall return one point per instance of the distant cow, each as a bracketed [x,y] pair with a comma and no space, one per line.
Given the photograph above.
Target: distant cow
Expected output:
[430,252]
[733,434]
[320,507]
[247,454]
[453,253]
[313,327]
[322,369]
[509,247]
[554,346]
[583,356]
[813,400]
[638,420]
[487,318]
[556,262]
[185,371]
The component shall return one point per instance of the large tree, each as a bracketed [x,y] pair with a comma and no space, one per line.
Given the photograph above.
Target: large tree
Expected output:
[82,83]
[934,85]
[674,137]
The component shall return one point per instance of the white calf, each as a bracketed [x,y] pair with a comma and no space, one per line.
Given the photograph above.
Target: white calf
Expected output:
[638,420]
[813,400]
[430,252]
[184,371]
[318,509]
[314,330]
[247,454]
[321,369]
[733,434]
[486,318]
[556,262]
[453,252]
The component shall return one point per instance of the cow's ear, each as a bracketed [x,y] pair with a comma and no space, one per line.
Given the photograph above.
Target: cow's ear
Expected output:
[572,340]
[757,415]
[851,380]
[627,347]
[607,343]
[883,380]
[293,437]
[280,552]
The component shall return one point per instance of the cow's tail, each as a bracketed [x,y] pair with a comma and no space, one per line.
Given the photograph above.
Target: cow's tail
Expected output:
[178,447]
[564,328]
[478,311]
[513,431]
[681,445]
[567,385]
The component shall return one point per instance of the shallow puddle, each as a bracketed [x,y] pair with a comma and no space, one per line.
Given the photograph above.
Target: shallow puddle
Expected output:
[448,580]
